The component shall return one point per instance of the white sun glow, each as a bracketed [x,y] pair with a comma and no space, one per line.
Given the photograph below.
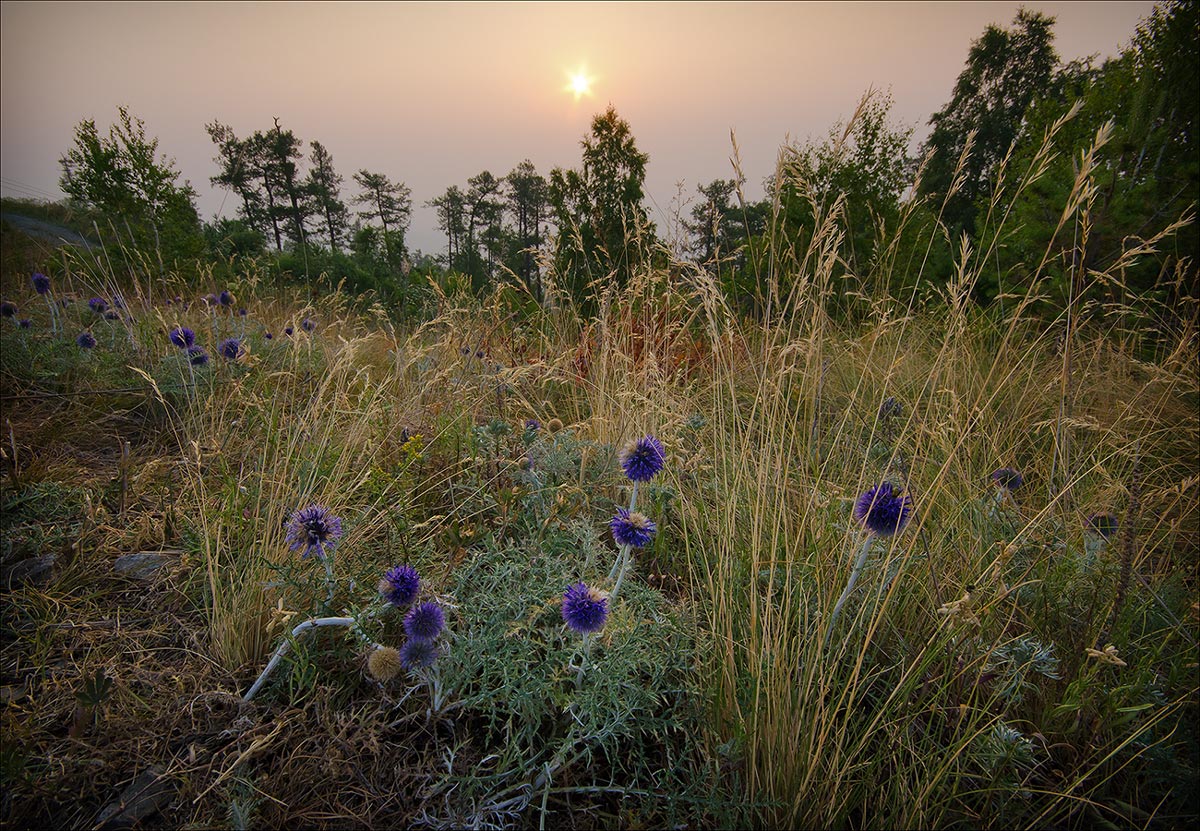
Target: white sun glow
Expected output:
[580,84]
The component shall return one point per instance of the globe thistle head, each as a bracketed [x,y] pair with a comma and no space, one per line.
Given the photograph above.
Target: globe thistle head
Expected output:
[41,283]
[111,314]
[268,336]
[883,510]
[118,302]
[287,330]
[384,663]
[197,356]
[1008,478]
[86,340]
[424,621]
[97,305]
[642,458]
[7,309]
[25,323]
[313,529]
[533,425]
[308,324]
[416,654]
[400,585]
[210,300]
[584,609]
[230,349]
[1103,525]
[633,529]
[241,312]
[890,408]
[554,425]
[183,337]
[225,298]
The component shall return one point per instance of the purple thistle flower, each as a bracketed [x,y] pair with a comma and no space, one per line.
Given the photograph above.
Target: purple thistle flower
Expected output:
[268,336]
[307,324]
[241,312]
[118,302]
[1008,478]
[313,529]
[86,340]
[418,654]
[197,356]
[225,298]
[97,305]
[8,309]
[533,425]
[111,314]
[890,408]
[635,529]
[210,299]
[25,323]
[288,331]
[584,609]
[400,585]
[230,348]
[424,621]
[1103,525]
[643,458]
[41,283]
[183,337]
[883,510]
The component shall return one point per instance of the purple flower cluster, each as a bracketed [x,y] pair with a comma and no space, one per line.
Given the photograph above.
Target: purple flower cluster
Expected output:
[643,458]
[86,340]
[883,510]
[313,529]
[584,609]
[400,586]
[230,349]
[41,283]
[1008,478]
[633,529]
[183,337]
[424,621]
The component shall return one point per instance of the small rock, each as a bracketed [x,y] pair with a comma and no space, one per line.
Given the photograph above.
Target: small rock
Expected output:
[145,796]
[140,566]
[31,570]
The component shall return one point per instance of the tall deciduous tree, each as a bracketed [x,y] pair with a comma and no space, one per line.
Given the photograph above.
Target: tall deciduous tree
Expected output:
[1006,69]
[598,208]
[123,176]
[1146,176]
[388,202]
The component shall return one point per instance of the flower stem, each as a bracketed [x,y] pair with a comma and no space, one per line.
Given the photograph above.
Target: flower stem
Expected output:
[587,648]
[286,645]
[622,563]
[858,564]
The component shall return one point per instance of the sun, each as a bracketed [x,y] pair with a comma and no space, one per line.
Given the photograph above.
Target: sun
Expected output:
[580,84]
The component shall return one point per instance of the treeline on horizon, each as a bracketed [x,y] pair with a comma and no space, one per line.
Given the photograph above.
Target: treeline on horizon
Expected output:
[987,179]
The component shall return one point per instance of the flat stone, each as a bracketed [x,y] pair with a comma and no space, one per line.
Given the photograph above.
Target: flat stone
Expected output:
[30,570]
[145,796]
[140,566]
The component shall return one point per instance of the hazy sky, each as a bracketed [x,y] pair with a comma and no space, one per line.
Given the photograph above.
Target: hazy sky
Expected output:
[433,93]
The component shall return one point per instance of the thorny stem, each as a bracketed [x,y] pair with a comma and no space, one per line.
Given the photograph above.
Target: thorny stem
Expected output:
[622,564]
[283,648]
[858,564]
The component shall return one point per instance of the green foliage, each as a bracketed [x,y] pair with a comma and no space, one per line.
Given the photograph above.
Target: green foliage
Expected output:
[1146,174]
[1006,70]
[855,175]
[123,177]
[603,227]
